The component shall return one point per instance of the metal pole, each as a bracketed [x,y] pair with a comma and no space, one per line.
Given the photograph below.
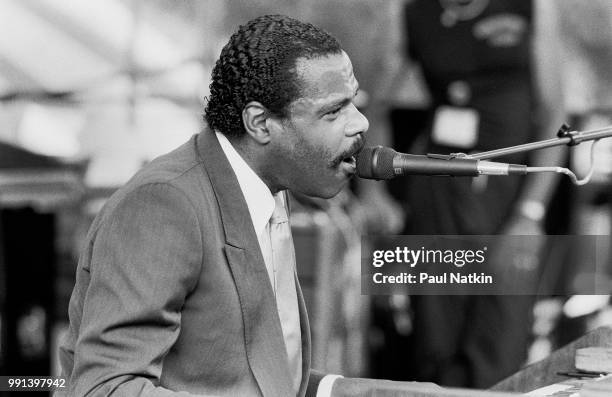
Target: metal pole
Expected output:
[569,138]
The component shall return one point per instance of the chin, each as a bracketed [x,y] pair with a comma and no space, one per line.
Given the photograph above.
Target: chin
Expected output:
[327,195]
[324,189]
[328,192]
[318,193]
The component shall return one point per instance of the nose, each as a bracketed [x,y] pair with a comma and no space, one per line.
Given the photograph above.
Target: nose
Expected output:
[358,123]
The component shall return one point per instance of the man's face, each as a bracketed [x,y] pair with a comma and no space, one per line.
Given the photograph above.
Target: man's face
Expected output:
[314,153]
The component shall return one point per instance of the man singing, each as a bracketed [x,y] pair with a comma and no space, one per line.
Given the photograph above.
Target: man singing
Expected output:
[187,284]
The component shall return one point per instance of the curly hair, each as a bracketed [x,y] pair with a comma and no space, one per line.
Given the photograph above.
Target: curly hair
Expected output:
[258,64]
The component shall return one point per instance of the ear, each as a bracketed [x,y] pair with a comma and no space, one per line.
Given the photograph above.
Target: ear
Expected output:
[256,120]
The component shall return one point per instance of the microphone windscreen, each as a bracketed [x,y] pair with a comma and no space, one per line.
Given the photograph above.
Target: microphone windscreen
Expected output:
[383,167]
[376,163]
[364,162]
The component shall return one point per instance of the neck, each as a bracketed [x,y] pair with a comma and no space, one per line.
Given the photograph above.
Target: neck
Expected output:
[253,154]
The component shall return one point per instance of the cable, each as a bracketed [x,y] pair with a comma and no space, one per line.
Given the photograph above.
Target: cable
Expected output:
[568,172]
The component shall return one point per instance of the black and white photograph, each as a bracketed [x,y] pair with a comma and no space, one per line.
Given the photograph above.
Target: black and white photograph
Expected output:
[306,198]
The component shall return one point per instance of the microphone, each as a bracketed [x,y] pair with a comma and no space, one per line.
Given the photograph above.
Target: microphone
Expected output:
[385,163]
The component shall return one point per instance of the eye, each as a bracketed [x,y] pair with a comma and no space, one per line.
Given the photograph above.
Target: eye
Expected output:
[334,112]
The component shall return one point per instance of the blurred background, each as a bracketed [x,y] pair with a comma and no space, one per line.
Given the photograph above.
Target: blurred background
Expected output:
[91,91]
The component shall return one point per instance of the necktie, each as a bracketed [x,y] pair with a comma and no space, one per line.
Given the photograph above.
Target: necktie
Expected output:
[283,256]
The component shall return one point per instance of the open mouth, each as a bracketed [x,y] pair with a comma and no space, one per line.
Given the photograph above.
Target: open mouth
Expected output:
[351,160]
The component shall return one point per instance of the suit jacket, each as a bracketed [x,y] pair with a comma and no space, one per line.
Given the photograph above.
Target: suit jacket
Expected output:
[172,296]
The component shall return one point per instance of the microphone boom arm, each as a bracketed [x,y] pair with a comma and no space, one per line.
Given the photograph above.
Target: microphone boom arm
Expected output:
[564,137]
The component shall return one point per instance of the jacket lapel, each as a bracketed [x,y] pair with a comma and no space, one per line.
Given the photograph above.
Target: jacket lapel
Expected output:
[305,328]
[304,323]
[263,334]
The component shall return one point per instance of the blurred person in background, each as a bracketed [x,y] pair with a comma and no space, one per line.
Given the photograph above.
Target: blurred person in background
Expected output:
[587,55]
[492,75]
[187,283]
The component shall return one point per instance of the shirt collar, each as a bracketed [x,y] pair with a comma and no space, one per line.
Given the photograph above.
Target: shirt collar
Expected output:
[256,193]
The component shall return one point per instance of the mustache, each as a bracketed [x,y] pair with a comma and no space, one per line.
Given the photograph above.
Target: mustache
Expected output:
[352,150]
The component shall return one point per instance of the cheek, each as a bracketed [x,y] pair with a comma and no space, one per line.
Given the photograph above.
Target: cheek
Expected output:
[307,157]
[307,145]
[317,154]
[313,147]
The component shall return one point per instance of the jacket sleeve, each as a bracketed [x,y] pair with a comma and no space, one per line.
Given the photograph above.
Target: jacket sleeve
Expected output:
[313,382]
[145,257]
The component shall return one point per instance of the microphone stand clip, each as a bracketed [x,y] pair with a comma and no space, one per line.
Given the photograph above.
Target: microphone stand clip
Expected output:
[565,131]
